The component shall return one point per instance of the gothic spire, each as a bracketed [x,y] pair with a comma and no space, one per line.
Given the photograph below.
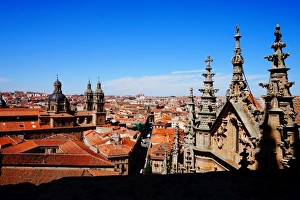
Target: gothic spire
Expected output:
[207,107]
[191,114]
[279,126]
[175,150]
[278,85]
[208,90]
[238,84]
[278,57]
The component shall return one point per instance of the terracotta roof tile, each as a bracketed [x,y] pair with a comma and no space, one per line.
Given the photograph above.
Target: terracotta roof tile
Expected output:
[19,126]
[110,150]
[9,141]
[73,153]
[103,172]
[37,175]
[36,159]
[157,151]
[50,142]
[22,147]
[20,111]
[158,139]
[5,141]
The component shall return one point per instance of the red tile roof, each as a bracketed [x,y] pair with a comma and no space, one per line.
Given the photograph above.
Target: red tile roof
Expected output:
[95,172]
[158,151]
[9,141]
[37,175]
[19,126]
[110,150]
[72,152]
[67,160]
[20,148]
[20,111]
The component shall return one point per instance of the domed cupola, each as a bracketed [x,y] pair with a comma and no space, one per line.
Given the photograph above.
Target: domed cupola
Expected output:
[57,102]
[57,86]
[98,98]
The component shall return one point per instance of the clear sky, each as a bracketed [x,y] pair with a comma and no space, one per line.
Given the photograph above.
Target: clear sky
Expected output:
[155,47]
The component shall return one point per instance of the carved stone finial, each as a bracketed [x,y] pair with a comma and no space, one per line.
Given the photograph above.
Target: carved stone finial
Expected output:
[191,92]
[277,33]
[237,58]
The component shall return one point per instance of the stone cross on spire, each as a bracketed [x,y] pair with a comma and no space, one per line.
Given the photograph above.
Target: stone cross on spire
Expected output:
[207,107]
[208,60]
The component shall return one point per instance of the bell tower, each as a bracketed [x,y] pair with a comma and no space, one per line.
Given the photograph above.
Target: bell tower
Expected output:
[99,115]
[88,98]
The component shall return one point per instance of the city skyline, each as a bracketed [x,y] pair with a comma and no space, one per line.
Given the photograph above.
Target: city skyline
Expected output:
[156,48]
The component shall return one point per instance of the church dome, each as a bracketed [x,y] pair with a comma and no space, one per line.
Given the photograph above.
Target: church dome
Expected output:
[57,97]
[57,101]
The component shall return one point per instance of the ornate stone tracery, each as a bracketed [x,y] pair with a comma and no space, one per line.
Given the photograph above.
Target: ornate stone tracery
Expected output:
[220,134]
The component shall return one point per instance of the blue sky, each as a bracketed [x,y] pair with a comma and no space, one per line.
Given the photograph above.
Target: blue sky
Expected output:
[147,46]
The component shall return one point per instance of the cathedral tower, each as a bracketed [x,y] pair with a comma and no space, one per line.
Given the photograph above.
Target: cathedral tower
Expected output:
[279,130]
